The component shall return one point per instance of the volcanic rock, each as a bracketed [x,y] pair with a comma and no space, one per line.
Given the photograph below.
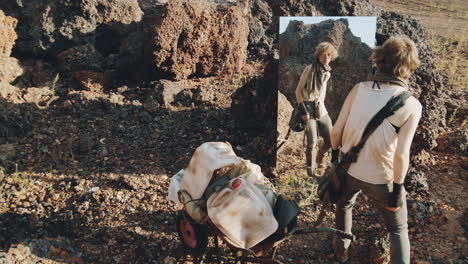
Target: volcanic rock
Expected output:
[39,96]
[416,181]
[456,142]
[293,146]
[263,29]
[7,152]
[8,33]
[10,93]
[49,26]
[379,248]
[324,8]
[92,81]
[78,58]
[197,38]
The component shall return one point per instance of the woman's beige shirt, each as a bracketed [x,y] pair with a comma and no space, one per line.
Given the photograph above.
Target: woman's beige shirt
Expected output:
[375,161]
[303,95]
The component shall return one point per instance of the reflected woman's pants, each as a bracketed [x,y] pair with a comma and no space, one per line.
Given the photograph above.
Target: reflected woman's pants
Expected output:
[324,127]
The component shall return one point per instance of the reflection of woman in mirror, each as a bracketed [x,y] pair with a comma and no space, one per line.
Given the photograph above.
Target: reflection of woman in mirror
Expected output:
[310,96]
[381,166]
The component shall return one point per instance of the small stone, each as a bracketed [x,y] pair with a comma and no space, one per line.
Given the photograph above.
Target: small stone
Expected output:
[119,196]
[55,196]
[421,262]
[170,260]
[94,189]
[461,239]
[164,178]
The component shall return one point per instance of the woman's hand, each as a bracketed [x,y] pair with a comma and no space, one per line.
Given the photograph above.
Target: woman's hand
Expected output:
[305,117]
[395,198]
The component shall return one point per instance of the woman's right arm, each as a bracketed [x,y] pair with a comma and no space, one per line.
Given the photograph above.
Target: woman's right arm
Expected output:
[337,131]
[301,84]
[405,137]
[402,156]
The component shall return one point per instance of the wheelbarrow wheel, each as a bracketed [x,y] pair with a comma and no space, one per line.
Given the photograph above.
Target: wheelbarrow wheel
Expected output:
[192,235]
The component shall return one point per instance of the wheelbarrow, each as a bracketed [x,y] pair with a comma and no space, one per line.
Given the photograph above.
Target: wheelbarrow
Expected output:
[217,179]
[194,236]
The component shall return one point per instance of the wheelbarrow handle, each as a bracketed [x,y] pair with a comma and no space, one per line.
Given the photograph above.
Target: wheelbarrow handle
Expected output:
[340,233]
[326,229]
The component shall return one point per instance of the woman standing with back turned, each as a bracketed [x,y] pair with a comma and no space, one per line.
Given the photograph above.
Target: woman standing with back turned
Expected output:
[382,164]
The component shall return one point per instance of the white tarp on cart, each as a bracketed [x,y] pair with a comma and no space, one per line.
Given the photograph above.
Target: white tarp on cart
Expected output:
[244,214]
[207,158]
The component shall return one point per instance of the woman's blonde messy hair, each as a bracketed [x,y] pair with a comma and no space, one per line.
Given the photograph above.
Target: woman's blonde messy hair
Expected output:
[326,47]
[397,56]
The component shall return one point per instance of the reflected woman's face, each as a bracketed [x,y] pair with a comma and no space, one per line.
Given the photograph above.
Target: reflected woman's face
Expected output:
[325,58]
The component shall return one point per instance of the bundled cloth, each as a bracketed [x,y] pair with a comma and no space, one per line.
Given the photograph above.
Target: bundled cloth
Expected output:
[227,190]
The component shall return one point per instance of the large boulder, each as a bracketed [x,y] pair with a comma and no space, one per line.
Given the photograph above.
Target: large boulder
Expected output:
[177,95]
[263,29]
[48,26]
[297,47]
[292,148]
[10,93]
[7,31]
[84,57]
[10,69]
[198,38]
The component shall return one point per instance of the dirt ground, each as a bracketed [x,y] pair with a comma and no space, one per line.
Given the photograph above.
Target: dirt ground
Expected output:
[446,17]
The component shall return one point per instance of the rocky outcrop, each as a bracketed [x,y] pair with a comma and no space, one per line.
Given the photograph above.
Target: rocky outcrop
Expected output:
[47,250]
[416,181]
[92,81]
[297,46]
[177,95]
[324,8]
[292,148]
[10,69]
[10,92]
[84,57]
[7,31]
[38,96]
[48,26]
[426,83]
[263,29]
[196,38]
